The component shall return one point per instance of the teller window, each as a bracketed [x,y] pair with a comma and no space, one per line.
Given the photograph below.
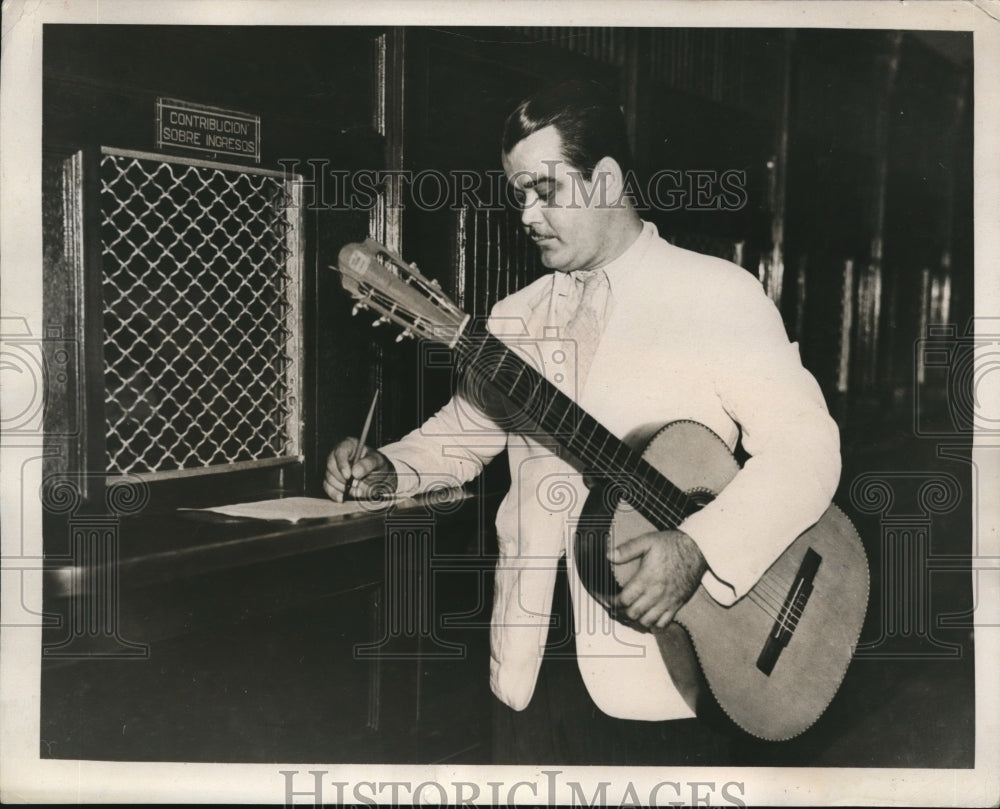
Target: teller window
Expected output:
[182,291]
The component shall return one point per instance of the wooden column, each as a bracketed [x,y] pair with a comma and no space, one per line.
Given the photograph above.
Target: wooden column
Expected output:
[385,219]
[870,281]
[774,259]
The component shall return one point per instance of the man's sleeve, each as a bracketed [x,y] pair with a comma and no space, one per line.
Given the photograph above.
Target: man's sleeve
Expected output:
[449,449]
[794,444]
[453,446]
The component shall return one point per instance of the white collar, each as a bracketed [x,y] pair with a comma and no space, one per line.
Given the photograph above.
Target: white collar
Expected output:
[616,268]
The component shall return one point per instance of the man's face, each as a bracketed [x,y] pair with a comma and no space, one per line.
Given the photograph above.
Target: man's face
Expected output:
[565,215]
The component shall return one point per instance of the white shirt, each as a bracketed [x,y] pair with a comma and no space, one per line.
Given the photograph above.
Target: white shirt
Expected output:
[687,336]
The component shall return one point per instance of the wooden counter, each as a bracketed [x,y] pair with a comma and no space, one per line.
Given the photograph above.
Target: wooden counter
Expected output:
[357,638]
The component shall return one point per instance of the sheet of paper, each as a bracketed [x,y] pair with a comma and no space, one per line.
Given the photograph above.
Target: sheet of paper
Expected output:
[294,509]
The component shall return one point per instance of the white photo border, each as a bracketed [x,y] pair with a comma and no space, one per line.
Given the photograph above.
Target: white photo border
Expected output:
[25,777]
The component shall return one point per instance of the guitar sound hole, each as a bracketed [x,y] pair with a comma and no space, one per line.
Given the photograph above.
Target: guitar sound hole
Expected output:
[592,563]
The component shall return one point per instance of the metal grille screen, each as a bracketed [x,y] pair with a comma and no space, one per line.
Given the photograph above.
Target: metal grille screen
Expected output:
[200,290]
[494,258]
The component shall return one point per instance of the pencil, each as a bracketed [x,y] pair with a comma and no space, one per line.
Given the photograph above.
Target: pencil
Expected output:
[361,442]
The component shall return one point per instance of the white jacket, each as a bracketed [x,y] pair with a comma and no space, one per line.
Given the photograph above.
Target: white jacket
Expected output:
[688,337]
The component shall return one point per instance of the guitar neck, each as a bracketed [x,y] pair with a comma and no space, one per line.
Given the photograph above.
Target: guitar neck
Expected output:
[380,280]
[544,408]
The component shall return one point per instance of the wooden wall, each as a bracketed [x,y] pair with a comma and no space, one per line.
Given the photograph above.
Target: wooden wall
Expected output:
[315,91]
[855,147]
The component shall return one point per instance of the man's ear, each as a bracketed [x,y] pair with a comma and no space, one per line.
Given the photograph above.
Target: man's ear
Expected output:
[610,179]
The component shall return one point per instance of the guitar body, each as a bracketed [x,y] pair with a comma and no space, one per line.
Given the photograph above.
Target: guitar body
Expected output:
[774,692]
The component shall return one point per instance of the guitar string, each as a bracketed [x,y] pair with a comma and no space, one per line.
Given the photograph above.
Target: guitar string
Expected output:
[775,592]
[789,612]
[773,607]
[789,606]
[770,598]
[767,597]
[784,595]
[773,603]
[783,621]
[666,501]
[776,601]
[787,618]
[766,608]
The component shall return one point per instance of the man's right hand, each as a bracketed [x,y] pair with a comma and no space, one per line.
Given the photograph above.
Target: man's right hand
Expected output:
[372,476]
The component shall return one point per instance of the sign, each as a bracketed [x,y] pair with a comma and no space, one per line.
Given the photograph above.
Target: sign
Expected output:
[208,130]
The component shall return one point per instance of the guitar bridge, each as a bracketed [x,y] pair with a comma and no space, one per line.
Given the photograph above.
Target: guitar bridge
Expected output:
[791,611]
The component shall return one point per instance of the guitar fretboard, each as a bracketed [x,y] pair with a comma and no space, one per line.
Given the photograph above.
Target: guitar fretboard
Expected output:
[539,406]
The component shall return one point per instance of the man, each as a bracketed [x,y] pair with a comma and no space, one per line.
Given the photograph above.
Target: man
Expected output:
[660,334]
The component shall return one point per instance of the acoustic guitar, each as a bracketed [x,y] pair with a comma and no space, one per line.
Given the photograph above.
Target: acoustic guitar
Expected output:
[773,660]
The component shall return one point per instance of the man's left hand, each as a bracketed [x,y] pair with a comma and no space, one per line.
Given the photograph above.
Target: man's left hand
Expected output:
[670,570]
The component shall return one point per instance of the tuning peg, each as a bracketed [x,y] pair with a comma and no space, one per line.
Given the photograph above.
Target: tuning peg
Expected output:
[359,306]
[379,321]
[435,283]
[401,335]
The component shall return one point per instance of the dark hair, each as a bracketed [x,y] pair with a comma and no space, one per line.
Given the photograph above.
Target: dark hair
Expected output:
[587,117]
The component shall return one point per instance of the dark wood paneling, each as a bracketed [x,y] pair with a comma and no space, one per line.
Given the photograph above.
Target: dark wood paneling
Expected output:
[254,639]
[313,88]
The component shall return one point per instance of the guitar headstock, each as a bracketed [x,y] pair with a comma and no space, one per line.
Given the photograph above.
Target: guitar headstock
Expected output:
[381,281]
